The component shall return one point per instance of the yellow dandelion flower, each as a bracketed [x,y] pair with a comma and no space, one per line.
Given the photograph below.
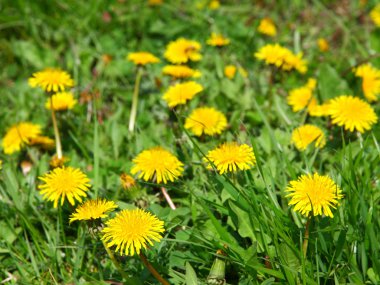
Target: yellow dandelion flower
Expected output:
[157,164]
[316,193]
[230,71]
[155,2]
[19,135]
[370,81]
[267,27]
[142,58]
[323,45]
[64,182]
[92,210]
[42,141]
[180,93]
[303,136]
[207,121]
[183,50]
[61,101]
[375,15]
[131,230]
[302,97]
[316,110]
[274,54]
[214,4]
[217,40]
[127,181]
[51,80]
[180,71]
[230,157]
[352,113]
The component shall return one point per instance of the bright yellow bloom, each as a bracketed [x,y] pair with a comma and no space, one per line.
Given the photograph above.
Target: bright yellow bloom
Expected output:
[217,40]
[267,27]
[157,164]
[64,182]
[42,141]
[61,101]
[180,71]
[375,15]
[214,4]
[155,2]
[371,81]
[183,50]
[180,93]
[302,97]
[51,80]
[316,193]
[19,135]
[208,121]
[131,230]
[92,210]
[323,45]
[230,71]
[316,110]
[352,113]
[281,57]
[303,136]
[127,181]
[230,157]
[142,58]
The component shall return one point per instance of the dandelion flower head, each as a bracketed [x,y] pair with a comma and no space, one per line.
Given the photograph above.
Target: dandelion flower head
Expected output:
[370,81]
[42,141]
[267,27]
[19,135]
[183,50]
[230,71]
[231,157]
[92,210]
[217,40]
[131,230]
[323,45]
[157,164]
[61,101]
[51,80]
[375,15]
[155,2]
[142,58]
[314,193]
[352,113]
[180,93]
[303,136]
[214,4]
[206,120]
[302,97]
[180,71]
[64,182]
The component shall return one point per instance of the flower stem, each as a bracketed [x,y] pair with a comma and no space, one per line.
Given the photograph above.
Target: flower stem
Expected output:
[168,199]
[306,238]
[115,262]
[152,270]
[58,145]
[135,98]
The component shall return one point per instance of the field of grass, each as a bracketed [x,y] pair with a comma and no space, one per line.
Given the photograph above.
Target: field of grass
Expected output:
[230,228]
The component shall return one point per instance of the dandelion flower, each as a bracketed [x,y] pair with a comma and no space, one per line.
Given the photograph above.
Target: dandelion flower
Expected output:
[230,157]
[370,81]
[42,141]
[180,71]
[316,193]
[183,50]
[267,27]
[127,181]
[92,210]
[375,15]
[230,71]
[61,101]
[64,182]
[142,58]
[157,164]
[316,110]
[180,93]
[323,45]
[303,136]
[352,113]
[214,5]
[217,40]
[131,230]
[274,54]
[207,121]
[19,135]
[302,97]
[51,80]
[155,2]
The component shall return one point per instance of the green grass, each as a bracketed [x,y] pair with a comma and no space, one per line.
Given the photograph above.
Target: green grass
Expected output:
[246,216]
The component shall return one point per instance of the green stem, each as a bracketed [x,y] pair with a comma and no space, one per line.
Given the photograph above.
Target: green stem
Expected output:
[115,262]
[58,144]
[152,270]
[132,118]
[306,238]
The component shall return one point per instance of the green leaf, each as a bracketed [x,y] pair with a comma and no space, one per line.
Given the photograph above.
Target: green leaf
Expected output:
[191,276]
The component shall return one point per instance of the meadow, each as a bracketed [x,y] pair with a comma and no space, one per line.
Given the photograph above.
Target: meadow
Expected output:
[190,142]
